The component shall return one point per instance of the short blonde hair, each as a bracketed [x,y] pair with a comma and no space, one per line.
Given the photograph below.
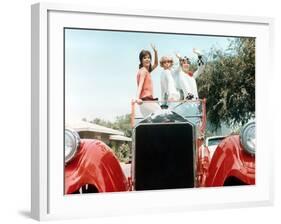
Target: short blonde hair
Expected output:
[166,58]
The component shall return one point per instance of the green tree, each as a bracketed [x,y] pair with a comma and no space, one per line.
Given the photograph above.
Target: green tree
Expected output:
[123,123]
[228,83]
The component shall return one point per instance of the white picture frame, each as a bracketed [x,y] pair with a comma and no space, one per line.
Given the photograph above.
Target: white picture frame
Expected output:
[48,200]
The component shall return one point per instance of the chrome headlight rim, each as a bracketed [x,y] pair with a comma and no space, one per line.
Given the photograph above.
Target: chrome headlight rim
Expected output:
[248,137]
[75,142]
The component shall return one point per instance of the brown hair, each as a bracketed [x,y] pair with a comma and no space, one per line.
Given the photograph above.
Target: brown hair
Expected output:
[142,54]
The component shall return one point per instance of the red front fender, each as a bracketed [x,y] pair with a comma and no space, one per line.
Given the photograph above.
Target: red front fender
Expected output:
[231,161]
[95,164]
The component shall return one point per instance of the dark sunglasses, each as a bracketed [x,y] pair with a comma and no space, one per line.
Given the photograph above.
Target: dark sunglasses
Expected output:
[169,61]
[185,59]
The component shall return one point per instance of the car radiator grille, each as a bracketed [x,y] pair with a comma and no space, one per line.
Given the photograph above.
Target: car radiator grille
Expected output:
[164,155]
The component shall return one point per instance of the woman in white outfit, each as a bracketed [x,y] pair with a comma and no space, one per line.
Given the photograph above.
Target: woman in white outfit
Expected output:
[168,86]
[186,79]
[186,83]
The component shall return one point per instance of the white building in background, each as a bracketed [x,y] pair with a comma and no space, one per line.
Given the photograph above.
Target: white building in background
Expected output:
[95,131]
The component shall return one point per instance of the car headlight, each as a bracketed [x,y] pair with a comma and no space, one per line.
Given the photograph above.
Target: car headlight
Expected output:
[71,144]
[248,137]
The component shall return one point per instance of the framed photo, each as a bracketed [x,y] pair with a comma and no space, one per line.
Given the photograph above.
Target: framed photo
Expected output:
[148,111]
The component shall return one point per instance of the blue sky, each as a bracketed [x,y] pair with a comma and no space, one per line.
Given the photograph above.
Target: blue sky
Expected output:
[101,68]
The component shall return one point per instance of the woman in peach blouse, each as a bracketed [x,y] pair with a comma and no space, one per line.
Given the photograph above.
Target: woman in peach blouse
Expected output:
[144,81]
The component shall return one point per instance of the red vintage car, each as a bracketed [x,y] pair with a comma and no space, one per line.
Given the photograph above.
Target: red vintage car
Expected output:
[167,153]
